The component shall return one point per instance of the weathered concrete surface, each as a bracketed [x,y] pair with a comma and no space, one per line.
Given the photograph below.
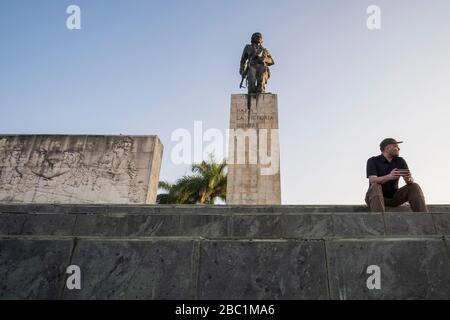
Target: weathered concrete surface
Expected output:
[410,269]
[229,252]
[243,270]
[79,169]
[33,269]
[222,222]
[135,270]
[254,151]
[411,223]
[198,209]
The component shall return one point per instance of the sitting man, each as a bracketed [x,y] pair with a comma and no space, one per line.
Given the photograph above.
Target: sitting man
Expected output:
[383,172]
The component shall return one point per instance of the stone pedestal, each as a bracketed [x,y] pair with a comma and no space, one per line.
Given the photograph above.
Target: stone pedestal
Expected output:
[254,153]
[79,169]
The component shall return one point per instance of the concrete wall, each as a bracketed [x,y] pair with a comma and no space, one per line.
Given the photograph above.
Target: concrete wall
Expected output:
[254,151]
[229,252]
[79,169]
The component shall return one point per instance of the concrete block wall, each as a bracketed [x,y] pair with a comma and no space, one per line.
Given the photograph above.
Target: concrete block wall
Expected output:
[223,252]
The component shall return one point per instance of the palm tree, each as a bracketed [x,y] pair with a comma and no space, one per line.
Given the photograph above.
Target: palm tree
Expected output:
[205,186]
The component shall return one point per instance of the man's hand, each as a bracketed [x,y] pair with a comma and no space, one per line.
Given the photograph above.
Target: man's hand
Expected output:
[408,179]
[394,175]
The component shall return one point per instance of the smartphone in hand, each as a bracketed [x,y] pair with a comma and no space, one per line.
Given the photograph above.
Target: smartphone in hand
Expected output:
[403,172]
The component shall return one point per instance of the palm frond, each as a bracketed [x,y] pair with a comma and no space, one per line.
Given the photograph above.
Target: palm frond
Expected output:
[208,182]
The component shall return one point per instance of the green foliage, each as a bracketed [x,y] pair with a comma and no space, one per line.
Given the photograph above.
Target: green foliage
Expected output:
[207,184]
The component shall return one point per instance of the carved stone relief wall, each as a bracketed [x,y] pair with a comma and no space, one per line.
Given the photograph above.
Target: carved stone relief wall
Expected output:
[79,169]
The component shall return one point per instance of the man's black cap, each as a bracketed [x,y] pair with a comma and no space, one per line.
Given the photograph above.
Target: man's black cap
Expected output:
[387,142]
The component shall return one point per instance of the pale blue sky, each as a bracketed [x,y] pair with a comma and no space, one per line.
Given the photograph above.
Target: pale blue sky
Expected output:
[150,67]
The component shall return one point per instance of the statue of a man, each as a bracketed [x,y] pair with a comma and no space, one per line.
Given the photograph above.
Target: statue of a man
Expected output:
[255,64]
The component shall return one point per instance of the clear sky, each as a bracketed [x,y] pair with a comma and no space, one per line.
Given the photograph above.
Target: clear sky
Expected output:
[151,67]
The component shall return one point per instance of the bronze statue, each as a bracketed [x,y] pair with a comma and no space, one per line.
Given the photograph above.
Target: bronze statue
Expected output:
[255,64]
